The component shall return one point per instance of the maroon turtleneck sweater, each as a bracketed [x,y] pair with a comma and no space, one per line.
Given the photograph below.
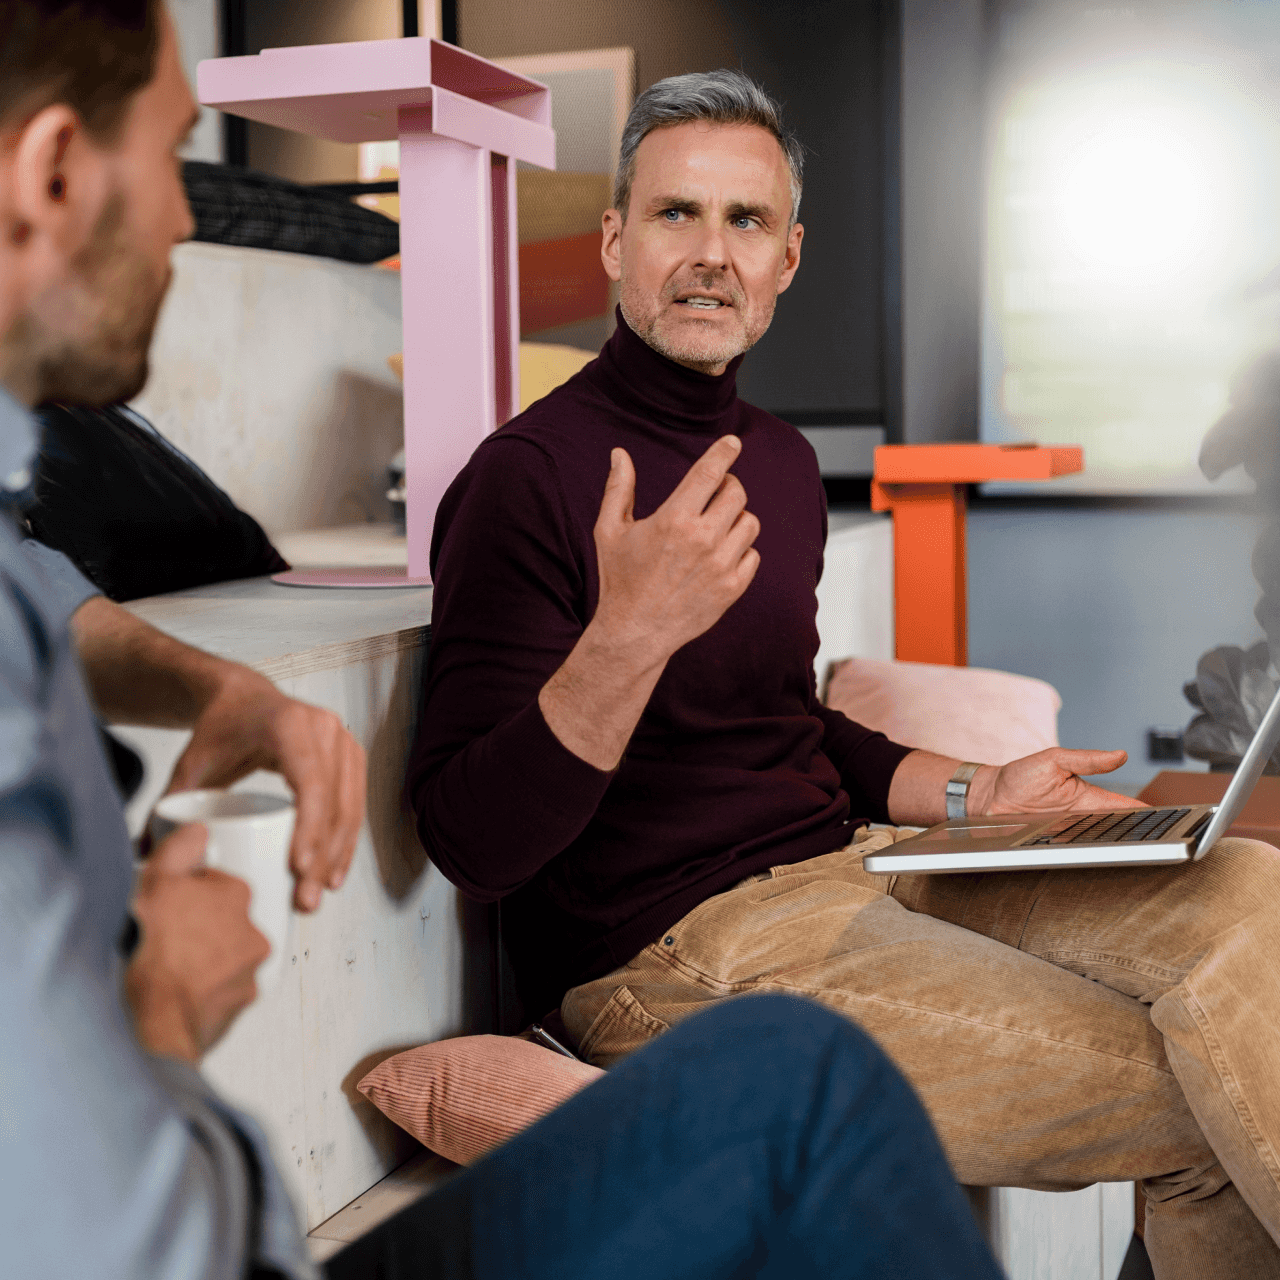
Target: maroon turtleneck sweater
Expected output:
[735,765]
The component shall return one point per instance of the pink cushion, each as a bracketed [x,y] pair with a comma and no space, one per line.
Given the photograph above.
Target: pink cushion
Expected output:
[461,1097]
[968,712]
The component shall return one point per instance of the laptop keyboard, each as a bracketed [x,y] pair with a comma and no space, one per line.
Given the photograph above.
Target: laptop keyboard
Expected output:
[1127,826]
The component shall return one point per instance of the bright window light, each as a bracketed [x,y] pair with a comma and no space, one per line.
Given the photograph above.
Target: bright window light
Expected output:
[1133,233]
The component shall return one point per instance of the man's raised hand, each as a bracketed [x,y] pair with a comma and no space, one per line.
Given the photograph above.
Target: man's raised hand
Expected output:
[249,724]
[239,722]
[666,579]
[663,581]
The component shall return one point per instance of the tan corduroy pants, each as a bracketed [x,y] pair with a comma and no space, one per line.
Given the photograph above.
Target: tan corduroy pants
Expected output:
[1062,1028]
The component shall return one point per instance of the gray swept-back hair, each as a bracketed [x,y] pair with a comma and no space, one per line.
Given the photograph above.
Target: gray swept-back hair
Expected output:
[718,97]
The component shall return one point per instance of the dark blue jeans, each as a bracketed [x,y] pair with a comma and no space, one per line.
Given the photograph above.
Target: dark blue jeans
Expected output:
[766,1137]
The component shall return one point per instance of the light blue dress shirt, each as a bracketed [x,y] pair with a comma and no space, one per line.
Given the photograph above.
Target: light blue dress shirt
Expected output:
[113,1162]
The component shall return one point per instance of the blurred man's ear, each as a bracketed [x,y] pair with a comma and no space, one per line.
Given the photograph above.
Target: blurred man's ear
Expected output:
[58,182]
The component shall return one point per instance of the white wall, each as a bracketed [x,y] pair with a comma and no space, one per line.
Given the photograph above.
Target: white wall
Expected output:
[269,370]
[197,23]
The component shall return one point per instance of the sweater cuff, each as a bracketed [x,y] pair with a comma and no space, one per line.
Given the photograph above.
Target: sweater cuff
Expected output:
[877,760]
[560,780]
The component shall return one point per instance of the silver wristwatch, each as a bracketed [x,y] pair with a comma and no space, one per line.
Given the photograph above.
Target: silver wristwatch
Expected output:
[958,790]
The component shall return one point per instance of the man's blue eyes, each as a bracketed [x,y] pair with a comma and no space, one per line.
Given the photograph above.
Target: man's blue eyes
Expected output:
[743,223]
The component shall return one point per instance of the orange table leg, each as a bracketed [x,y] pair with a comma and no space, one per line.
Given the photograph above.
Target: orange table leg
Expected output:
[924,486]
[930,572]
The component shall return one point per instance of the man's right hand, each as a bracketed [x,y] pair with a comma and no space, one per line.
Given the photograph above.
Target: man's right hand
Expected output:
[668,578]
[664,580]
[192,972]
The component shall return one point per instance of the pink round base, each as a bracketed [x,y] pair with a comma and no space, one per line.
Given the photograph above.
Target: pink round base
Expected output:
[375,576]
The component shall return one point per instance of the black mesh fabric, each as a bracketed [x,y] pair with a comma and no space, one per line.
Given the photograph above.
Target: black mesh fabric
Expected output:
[260,211]
[134,514]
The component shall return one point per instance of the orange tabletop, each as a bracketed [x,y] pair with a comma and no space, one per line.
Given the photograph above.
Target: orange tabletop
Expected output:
[923,485]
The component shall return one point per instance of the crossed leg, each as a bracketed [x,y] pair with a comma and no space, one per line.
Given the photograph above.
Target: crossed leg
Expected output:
[1062,1029]
[1198,946]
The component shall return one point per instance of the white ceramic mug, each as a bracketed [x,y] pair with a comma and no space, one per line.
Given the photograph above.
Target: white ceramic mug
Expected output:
[249,835]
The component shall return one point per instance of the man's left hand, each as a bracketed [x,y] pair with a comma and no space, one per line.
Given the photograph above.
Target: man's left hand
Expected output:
[1053,781]
[249,724]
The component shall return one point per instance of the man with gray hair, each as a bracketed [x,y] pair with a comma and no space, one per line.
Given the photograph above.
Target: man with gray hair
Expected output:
[621,739]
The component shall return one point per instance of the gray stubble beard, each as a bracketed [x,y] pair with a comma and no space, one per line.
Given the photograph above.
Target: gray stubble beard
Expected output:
[110,365]
[648,334]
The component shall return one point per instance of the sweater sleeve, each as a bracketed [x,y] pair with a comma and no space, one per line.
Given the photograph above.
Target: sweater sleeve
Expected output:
[494,792]
[865,759]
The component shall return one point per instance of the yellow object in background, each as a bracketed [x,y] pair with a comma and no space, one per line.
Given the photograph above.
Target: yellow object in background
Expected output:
[387,204]
[543,367]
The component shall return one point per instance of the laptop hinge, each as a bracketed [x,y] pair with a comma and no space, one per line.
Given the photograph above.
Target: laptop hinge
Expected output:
[1201,822]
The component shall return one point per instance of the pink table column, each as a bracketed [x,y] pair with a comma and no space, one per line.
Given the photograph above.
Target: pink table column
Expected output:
[462,124]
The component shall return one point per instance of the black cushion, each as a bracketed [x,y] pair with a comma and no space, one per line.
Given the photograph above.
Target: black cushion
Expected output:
[259,211]
[134,514]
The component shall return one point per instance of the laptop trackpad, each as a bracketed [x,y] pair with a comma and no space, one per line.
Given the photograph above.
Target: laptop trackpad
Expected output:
[1005,831]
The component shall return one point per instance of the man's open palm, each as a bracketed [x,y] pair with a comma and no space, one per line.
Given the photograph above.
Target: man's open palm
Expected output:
[1051,781]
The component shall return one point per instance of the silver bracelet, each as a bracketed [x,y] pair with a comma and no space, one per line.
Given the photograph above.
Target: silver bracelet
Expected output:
[958,790]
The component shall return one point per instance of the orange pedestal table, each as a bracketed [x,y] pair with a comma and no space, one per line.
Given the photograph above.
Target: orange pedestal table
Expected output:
[923,485]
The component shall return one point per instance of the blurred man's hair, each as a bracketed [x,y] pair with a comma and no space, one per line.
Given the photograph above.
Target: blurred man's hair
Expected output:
[717,97]
[92,55]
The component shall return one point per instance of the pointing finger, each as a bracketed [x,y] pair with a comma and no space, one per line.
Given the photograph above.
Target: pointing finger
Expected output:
[706,475]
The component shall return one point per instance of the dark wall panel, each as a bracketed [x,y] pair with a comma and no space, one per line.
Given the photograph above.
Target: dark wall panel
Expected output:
[670,37]
[823,358]
[823,61]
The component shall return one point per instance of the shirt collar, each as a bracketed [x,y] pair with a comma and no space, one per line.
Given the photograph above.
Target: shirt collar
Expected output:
[18,441]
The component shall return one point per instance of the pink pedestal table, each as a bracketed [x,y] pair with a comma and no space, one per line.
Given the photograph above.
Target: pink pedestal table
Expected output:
[462,123]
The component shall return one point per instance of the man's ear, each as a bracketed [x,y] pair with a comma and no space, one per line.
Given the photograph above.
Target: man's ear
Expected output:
[611,245]
[791,260]
[59,181]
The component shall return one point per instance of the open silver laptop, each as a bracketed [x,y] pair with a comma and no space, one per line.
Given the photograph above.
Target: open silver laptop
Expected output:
[1110,838]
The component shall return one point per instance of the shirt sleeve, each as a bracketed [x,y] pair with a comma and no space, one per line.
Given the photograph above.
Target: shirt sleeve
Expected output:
[495,793]
[120,1164]
[68,588]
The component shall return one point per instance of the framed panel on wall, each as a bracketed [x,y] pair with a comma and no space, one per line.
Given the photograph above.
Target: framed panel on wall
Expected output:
[565,295]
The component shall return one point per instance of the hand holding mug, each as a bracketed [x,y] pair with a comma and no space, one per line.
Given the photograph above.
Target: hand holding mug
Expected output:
[193,970]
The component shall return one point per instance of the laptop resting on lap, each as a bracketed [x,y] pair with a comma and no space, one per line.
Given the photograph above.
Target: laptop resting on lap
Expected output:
[1106,838]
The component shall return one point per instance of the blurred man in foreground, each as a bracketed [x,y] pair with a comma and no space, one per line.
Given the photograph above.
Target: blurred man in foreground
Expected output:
[118,1158]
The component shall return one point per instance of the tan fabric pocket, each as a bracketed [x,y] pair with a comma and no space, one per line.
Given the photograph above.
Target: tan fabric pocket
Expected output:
[620,1028]
[842,862]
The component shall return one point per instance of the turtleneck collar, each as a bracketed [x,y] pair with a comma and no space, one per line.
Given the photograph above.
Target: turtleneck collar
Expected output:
[649,384]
